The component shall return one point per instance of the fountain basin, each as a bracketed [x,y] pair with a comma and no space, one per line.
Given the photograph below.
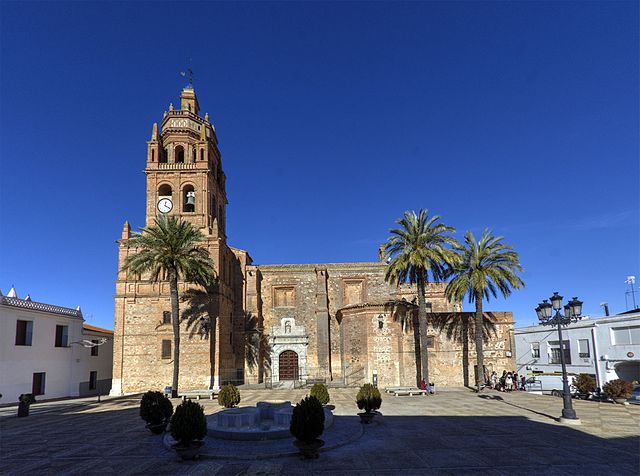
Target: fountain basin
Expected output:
[268,420]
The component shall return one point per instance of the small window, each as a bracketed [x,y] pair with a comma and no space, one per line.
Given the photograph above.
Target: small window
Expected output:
[429,306]
[431,344]
[166,317]
[193,154]
[153,155]
[24,332]
[37,388]
[166,349]
[201,154]
[94,349]
[535,350]
[62,336]
[93,380]
[583,348]
[554,352]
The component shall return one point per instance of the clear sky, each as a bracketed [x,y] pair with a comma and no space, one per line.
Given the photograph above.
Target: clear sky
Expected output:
[333,119]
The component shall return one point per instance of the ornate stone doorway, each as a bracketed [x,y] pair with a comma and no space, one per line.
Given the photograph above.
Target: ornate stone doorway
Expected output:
[289,344]
[288,365]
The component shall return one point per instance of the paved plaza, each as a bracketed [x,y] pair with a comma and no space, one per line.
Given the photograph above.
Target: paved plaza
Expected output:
[454,432]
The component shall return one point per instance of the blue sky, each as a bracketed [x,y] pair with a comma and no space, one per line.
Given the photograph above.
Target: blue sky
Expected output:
[333,119]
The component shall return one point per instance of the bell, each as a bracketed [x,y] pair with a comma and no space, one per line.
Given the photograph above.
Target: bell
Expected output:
[191,198]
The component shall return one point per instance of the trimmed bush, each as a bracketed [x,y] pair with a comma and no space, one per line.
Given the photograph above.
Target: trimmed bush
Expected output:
[618,389]
[155,408]
[307,420]
[585,383]
[368,398]
[27,398]
[229,396]
[188,423]
[319,390]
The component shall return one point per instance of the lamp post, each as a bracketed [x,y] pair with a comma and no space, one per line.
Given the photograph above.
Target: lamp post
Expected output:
[572,313]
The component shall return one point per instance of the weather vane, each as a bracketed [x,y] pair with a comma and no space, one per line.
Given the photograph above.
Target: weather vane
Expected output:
[188,74]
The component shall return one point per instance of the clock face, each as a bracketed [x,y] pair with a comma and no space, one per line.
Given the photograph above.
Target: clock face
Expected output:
[165,205]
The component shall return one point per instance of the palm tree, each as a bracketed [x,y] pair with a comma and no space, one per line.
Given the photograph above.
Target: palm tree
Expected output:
[201,316]
[417,248]
[456,327]
[482,269]
[169,251]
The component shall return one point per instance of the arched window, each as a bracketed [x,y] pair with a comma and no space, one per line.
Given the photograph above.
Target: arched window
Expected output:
[188,199]
[164,191]
[193,154]
[162,159]
[201,154]
[179,154]
[153,155]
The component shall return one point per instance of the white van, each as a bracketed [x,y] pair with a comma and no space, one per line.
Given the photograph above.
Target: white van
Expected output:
[548,384]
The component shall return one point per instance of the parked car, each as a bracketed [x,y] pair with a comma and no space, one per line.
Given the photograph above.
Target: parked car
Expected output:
[549,385]
[635,396]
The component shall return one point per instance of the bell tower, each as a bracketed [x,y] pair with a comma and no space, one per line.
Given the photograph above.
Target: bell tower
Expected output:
[184,169]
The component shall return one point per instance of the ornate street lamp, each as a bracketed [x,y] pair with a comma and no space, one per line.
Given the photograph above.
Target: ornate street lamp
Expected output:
[572,313]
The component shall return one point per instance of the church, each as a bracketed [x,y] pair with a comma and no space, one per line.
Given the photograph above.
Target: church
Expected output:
[338,323]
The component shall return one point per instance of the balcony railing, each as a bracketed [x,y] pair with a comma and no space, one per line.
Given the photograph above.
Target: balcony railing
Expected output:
[178,166]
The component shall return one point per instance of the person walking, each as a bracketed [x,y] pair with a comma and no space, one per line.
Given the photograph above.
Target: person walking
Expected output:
[523,383]
[494,380]
[508,382]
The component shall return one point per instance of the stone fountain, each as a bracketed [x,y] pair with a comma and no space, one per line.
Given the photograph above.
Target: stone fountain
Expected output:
[268,420]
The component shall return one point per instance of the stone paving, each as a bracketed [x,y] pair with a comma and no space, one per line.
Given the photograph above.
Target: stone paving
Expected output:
[453,432]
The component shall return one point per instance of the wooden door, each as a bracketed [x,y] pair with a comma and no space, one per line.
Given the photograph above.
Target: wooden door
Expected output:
[288,362]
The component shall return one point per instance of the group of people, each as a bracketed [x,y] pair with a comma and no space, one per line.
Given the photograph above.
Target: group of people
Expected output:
[508,382]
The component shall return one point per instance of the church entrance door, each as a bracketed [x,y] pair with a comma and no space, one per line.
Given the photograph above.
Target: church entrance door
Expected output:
[288,365]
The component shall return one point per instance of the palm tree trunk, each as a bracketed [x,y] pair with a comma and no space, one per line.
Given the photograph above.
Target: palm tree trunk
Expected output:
[479,350]
[175,321]
[465,350]
[422,321]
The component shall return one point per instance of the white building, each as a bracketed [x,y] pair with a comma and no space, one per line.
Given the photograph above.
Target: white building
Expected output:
[47,350]
[607,348]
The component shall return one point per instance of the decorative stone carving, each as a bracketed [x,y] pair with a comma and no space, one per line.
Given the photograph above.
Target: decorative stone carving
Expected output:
[288,336]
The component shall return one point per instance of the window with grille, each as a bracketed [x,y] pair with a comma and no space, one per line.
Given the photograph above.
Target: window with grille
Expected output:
[24,332]
[583,348]
[535,350]
[166,349]
[94,349]
[554,352]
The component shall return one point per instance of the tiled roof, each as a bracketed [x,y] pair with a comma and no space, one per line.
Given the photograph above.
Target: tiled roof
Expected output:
[39,306]
[89,327]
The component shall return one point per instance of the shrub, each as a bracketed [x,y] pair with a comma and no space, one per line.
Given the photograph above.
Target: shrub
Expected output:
[319,390]
[368,398]
[27,398]
[585,383]
[188,422]
[618,389]
[307,420]
[229,396]
[155,408]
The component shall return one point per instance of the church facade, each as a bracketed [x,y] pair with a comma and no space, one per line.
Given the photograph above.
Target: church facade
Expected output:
[339,323]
